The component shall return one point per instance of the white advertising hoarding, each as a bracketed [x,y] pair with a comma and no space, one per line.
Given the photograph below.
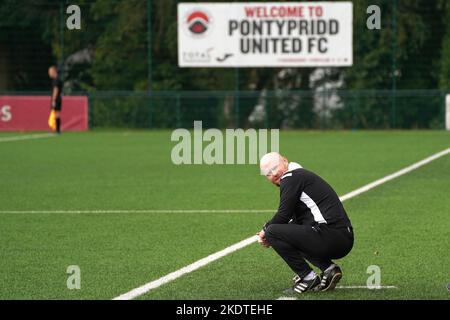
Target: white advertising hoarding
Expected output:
[447,112]
[265,34]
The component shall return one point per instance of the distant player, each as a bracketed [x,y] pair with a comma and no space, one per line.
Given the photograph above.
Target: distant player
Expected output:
[56,95]
[311,224]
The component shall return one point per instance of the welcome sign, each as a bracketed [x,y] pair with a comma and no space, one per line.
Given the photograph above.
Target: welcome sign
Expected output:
[269,34]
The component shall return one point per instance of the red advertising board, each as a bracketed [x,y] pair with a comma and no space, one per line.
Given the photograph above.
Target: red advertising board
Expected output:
[30,113]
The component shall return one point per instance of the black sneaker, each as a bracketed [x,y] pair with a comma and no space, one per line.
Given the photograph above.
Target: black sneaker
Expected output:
[301,285]
[330,278]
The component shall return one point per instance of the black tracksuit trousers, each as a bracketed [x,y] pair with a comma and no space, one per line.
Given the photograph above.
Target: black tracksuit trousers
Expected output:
[316,244]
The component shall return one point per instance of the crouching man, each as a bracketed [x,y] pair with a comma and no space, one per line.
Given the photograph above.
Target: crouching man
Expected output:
[311,224]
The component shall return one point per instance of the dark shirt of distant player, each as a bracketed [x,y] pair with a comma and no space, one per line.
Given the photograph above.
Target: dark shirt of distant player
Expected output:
[58,84]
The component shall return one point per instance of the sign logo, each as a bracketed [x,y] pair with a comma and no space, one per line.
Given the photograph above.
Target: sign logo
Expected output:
[198,22]
[197,55]
[225,57]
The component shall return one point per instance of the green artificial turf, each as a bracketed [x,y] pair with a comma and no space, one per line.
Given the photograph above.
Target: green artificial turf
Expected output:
[401,226]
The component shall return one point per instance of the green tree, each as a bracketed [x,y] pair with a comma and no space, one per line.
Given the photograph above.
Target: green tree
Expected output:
[444,80]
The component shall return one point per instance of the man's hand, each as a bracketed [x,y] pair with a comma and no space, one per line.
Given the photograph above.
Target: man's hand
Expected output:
[262,239]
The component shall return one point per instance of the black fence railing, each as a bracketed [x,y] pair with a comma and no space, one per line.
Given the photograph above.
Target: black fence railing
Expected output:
[337,109]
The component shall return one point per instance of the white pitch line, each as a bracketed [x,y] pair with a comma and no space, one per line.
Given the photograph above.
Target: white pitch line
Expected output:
[394,175]
[287,298]
[367,287]
[194,266]
[135,211]
[200,263]
[27,137]
[345,287]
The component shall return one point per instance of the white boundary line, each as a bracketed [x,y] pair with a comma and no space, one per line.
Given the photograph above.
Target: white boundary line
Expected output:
[345,287]
[136,211]
[202,262]
[394,175]
[192,267]
[27,137]
[367,287]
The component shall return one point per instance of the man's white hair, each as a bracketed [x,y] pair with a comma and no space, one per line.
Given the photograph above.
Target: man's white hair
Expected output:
[268,161]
